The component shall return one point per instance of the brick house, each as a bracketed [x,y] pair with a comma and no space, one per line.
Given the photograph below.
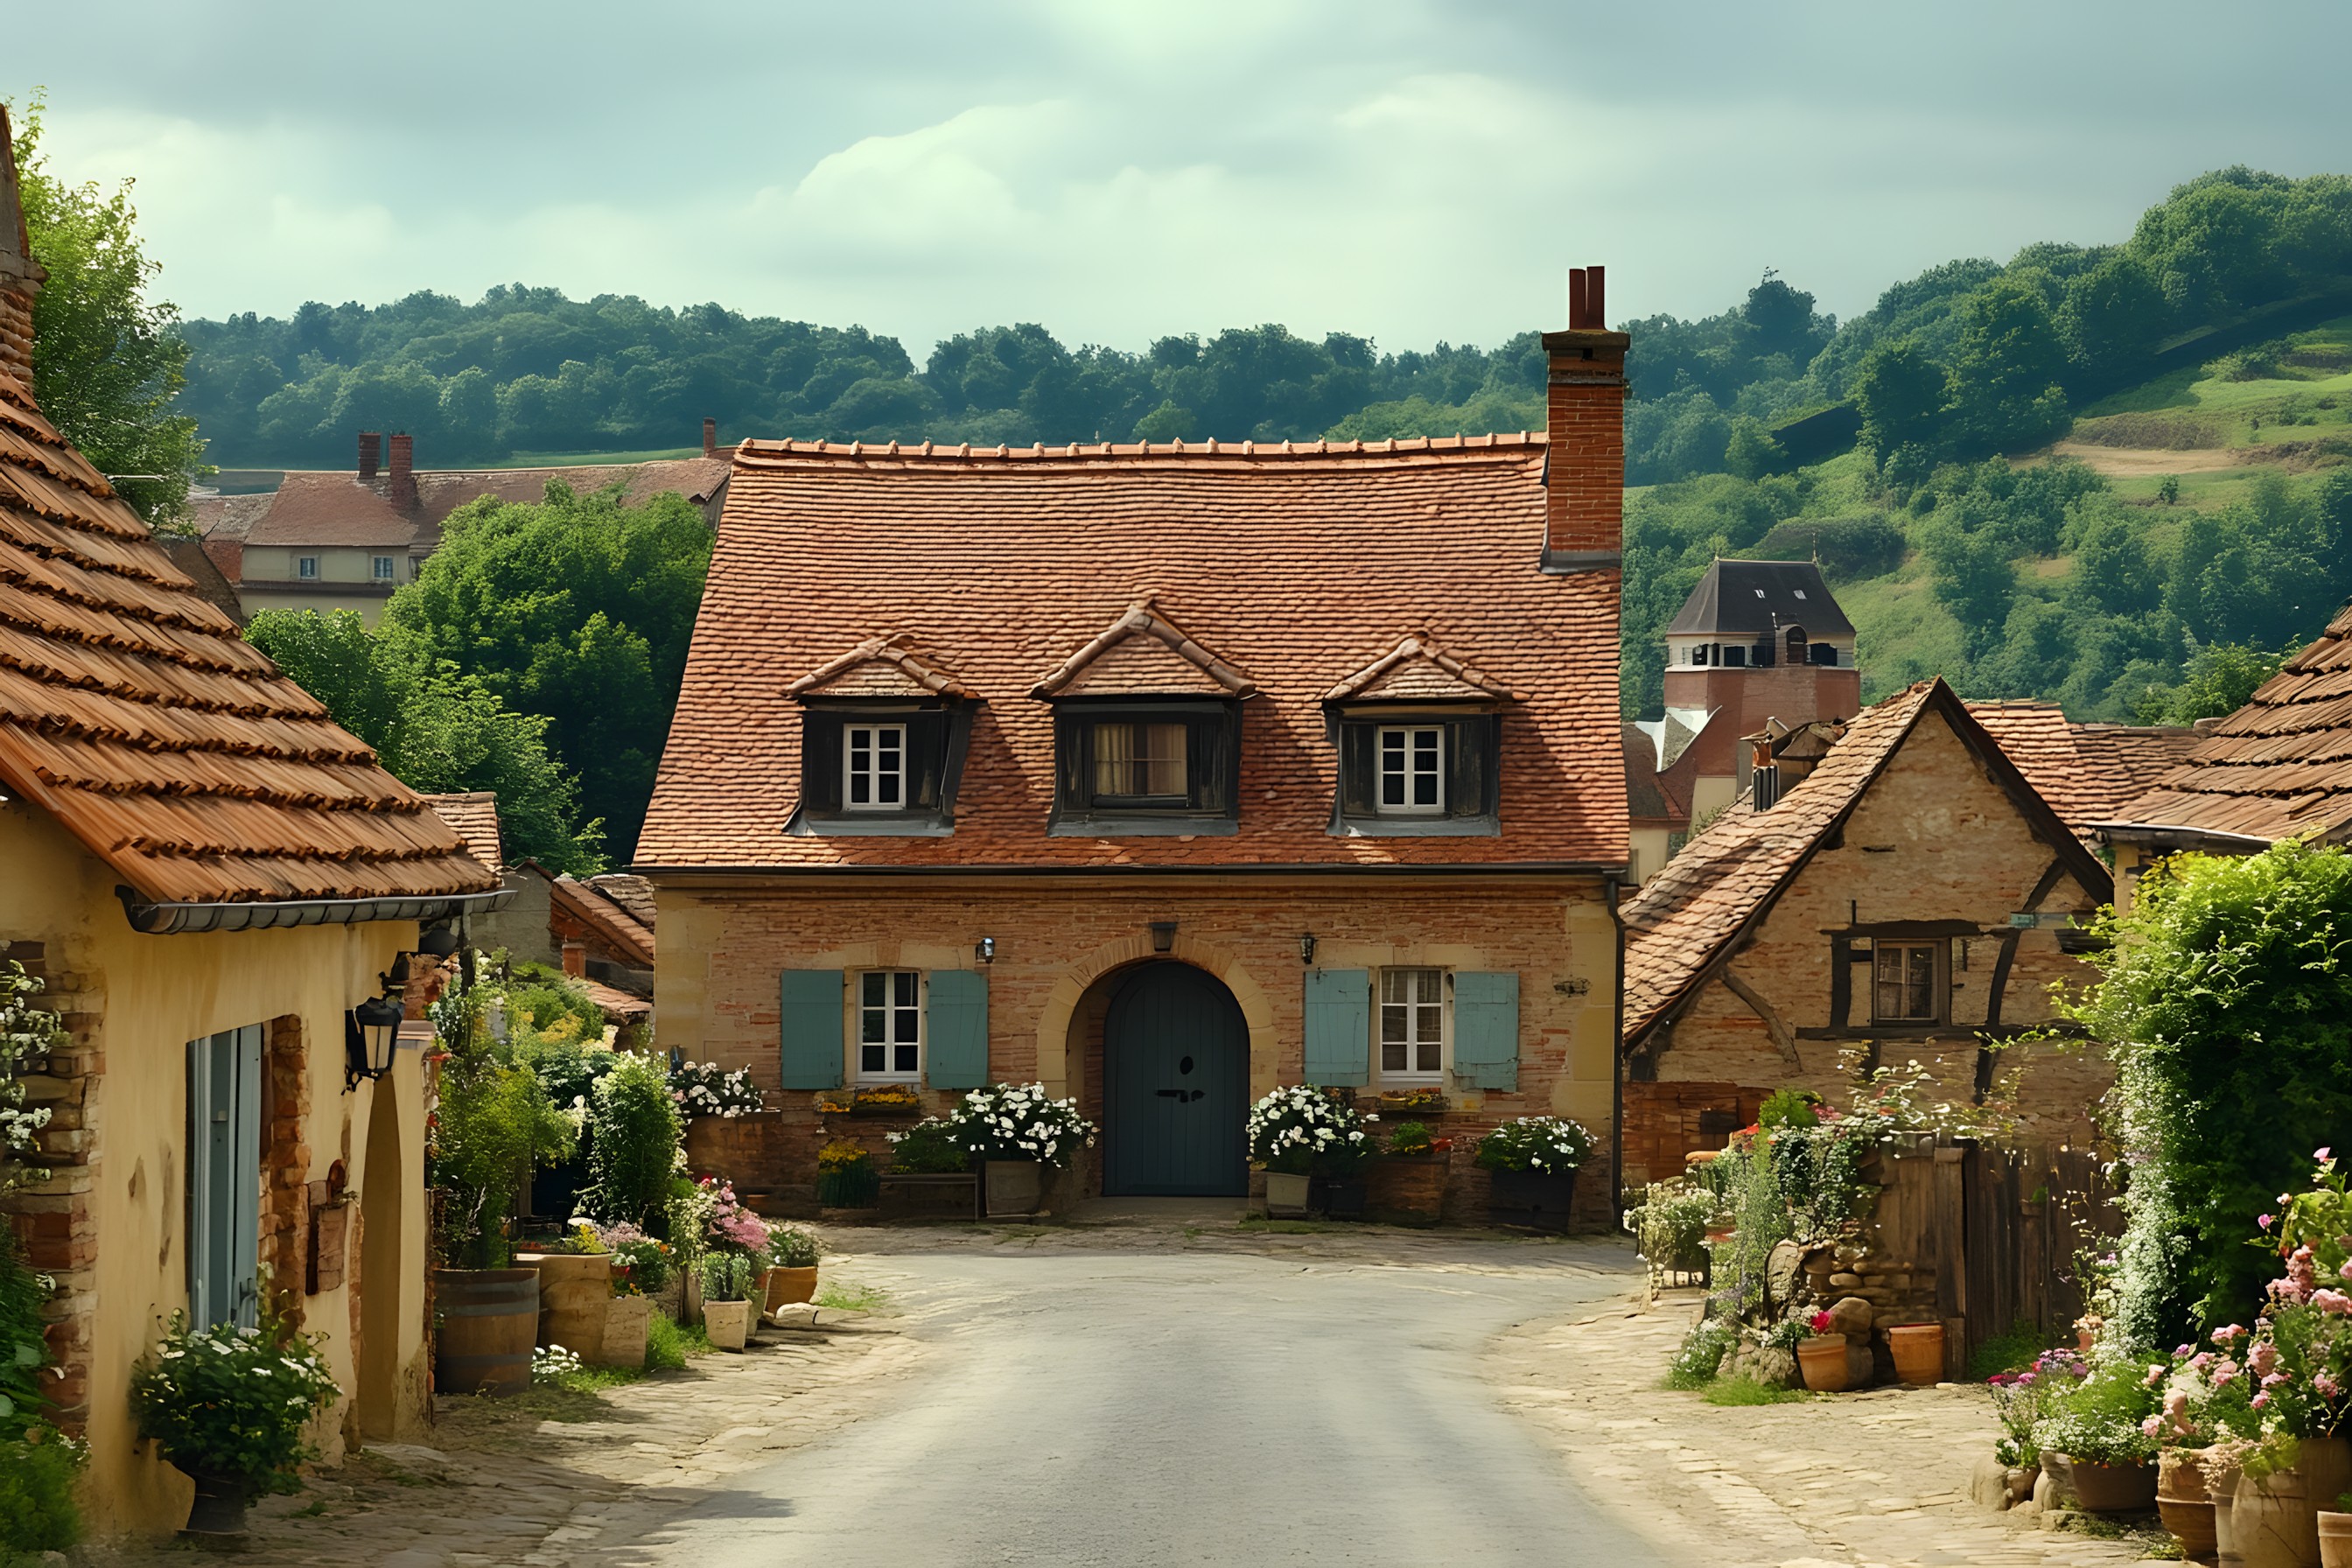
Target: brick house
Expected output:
[2280,767]
[1161,775]
[209,876]
[1898,887]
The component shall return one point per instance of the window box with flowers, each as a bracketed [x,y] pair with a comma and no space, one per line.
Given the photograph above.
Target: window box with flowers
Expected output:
[1299,1136]
[930,1175]
[1534,1161]
[1018,1135]
[888,1099]
[1409,1102]
[1407,1184]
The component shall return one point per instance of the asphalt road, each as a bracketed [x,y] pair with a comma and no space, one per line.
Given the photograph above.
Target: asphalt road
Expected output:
[1133,1409]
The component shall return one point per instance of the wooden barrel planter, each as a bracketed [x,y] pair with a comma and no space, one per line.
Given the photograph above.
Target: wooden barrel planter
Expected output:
[575,1293]
[920,1196]
[489,1323]
[1531,1198]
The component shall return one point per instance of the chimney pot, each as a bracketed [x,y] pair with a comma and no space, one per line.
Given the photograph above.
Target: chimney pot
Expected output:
[710,437]
[575,959]
[1579,299]
[401,490]
[1596,310]
[371,455]
[1584,465]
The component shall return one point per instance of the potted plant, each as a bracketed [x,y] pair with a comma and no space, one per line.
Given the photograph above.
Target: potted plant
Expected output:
[640,1268]
[1669,1227]
[888,1099]
[1018,1135]
[2336,1534]
[790,1275]
[229,1405]
[1407,1183]
[1289,1131]
[575,1290]
[930,1174]
[2018,1399]
[845,1177]
[735,1243]
[2099,1427]
[1534,1161]
[1820,1356]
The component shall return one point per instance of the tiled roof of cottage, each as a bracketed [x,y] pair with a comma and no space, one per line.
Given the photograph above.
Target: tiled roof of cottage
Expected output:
[885,667]
[608,917]
[1418,670]
[633,894]
[134,713]
[1696,911]
[474,815]
[2086,771]
[1290,566]
[2280,767]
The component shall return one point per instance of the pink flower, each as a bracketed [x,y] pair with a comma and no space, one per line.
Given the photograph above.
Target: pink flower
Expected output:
[2264,1220]
[2260,1400]
[2327,1386]
[2155,1375]
[2331,1301]
[2263,1358]
[2228,1331]
[2344,1272]
[2151,1427]
[2320,1155]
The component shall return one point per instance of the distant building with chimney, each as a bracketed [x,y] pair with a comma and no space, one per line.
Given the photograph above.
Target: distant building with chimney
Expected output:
[1759,649]
[326,542]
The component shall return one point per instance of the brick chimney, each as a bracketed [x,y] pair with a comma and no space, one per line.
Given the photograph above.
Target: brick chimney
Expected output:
[1584,470]
[371,455]
[20,276]
[400,490]
[575,959]
[710,437]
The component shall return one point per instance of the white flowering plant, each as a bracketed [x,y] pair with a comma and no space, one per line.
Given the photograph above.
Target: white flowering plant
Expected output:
[704,1088]
[232,1402]
[1547,1145]
[27,1035]
[1299,1129]
[1018,1122]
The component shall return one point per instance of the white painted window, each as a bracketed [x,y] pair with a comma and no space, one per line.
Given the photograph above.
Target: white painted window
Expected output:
[306,567]
[874,767]
[1412,1025]
[383,568]
[1412,770]
[889,1026]
[1907,982]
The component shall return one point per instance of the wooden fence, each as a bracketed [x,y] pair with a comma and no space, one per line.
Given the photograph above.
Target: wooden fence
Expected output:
[1990,1236]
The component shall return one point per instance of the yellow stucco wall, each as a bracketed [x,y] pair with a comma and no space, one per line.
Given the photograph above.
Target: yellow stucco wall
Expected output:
[148,996]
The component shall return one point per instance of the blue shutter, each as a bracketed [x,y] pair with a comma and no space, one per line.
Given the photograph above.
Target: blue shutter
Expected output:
[243,1048]
[1339,1026]
[1487,1029]
[955,1047]
[808,1023]
[224,1178]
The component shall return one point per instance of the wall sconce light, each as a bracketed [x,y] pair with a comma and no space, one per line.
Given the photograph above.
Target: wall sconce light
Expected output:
[370,1034]
[985,950]
[1307,947]
[1163,935]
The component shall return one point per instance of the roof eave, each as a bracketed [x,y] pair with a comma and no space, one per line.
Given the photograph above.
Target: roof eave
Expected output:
[189,917]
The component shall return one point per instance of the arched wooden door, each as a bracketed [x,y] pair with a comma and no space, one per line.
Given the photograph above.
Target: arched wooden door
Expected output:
[1175,1086]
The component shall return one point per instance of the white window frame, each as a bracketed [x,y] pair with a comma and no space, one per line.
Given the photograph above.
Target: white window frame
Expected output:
[1413,1076]
[873,774]
[385,568]
[1938,985]
[1412,773]
[889,1008]
[306,568]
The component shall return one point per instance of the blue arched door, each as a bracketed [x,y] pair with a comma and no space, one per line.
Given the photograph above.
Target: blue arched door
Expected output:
[1176,1087]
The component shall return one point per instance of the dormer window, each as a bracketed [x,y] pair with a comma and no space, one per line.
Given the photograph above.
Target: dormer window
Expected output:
[1418,733]
[883,736]
[874,766]
[1412,771]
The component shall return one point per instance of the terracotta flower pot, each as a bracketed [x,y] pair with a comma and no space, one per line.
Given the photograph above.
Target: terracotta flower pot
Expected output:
[789,1286]
[2182,1500]
[2276,1519]
[1918,1353]
[2112,1488]
[2221,1491]
[2335,1539]
[727,1323]
[1822,1361]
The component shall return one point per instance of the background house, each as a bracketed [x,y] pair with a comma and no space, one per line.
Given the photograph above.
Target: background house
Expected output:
[1161,775]
[209,875]
[1896,887]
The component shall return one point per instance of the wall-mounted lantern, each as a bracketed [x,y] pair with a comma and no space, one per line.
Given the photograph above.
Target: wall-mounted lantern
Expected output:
[985,950]
[370,1034]
[1163,935]
[1307,947]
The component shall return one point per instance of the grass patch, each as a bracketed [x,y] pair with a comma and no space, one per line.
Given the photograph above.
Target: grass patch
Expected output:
[852,1296]
[1741,1391]
[667,1344]
[2148,1538]
[1254,1226]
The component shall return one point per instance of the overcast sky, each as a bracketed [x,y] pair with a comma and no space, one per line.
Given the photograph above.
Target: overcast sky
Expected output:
[1406,169]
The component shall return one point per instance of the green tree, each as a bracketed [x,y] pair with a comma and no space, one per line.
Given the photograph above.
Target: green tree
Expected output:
[1752,453]
[436,729]
[2113,315]
[2007,364]
[107,359]
[577,609]
[2220,679]
[1901,394]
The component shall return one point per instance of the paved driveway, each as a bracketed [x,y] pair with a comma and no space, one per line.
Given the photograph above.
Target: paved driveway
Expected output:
[1136,1408]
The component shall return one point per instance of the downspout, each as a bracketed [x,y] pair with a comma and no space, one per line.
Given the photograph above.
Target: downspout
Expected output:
[1617,1063]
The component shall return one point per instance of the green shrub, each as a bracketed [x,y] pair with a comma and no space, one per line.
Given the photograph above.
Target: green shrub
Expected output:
[634,1154]
[1410,1138]
[2099,1418]
[1747,1391]
[927,1148]
[2012,1352]
[1548,1146]
[230,1402]
[38,1468]
[668,1344]
[1669,1225]
[1701,1356]
[1790,1107]
[790,1246]
[495,1124]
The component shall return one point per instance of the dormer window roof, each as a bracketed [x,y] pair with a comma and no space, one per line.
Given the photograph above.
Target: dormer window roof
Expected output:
[1143,654]
[884,668]
[1418,670]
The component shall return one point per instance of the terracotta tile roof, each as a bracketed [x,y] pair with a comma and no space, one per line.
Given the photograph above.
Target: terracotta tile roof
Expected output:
[1291,565]
[1418,670]
[474,815]
[2279,767]
[2086,771]
[884,667]
[618,1006]
[188,555]
[633,894]
[608,917]
[1143,654]
[133,712]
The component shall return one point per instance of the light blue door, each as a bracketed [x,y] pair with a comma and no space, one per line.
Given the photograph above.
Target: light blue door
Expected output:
[1175,1086]
[224,1177]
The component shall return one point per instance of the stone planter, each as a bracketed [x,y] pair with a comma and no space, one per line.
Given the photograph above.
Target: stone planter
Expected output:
[216,1518]
[920,1196]
[1407,1189]
[2181,1500]
[2112,1488]
[488,1323]
[1338,1197]
[1822,1361]
[1542,1201]
[1286,1195]
[2221,1491]
[727,1323]
[2334,1539]
[788,1286]
[627,1320]
[1918,1353]
[1014,1188]
[2276,1519]
[575,1291]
